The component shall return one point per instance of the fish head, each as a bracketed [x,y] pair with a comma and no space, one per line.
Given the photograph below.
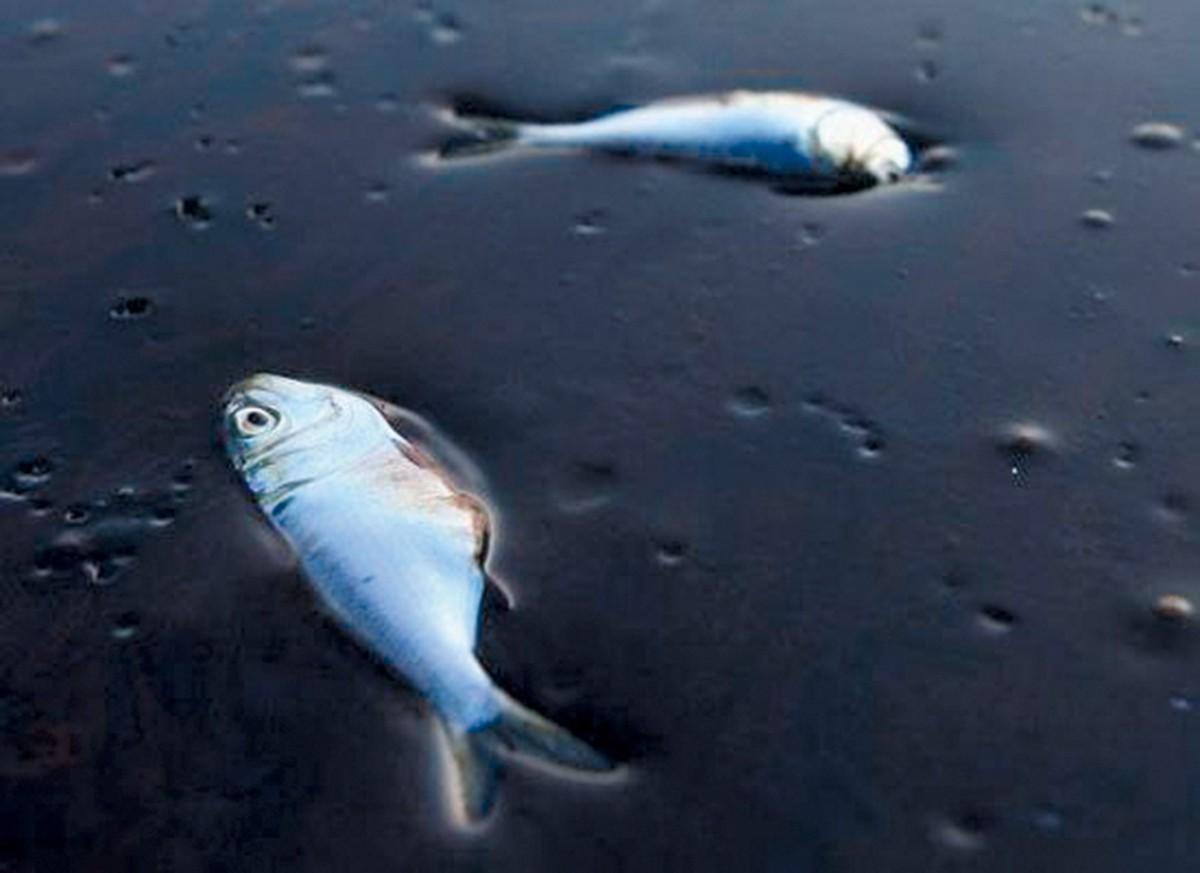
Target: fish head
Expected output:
[281,432]
[857,142]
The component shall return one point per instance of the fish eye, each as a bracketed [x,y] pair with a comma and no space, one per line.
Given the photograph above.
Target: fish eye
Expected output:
[254,420]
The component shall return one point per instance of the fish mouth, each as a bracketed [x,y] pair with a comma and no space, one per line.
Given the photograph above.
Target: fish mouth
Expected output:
[887,160]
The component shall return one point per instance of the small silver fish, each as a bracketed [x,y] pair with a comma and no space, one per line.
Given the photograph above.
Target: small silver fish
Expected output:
[395,550]
[830,143]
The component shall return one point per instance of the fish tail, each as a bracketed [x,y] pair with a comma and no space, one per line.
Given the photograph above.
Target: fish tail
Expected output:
[476,771]
[524,733]
[478,135]
[520,732]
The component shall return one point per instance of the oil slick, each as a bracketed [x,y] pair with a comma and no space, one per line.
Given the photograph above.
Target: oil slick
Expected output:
[806,143]
[395,550]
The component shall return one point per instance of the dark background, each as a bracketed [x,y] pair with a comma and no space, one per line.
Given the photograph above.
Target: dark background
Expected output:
[841,521]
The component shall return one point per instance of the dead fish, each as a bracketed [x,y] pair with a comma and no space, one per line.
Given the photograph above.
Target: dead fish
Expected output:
[395,550]
[827,142]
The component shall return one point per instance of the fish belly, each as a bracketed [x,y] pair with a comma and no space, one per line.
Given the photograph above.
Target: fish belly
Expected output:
[402,583]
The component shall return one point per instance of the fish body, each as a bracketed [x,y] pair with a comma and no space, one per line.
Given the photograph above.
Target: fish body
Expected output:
[778,133]
[394,550]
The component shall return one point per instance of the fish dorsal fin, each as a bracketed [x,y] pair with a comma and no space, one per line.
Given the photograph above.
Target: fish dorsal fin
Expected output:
[481,524]
[428,449]
[431,446]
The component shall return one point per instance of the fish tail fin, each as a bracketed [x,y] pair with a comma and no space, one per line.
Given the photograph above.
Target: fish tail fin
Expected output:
[476,773]
[516,731]
[522,732]
[479,135]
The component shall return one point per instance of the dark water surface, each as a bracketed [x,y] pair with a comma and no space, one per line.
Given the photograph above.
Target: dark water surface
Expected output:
[843,521]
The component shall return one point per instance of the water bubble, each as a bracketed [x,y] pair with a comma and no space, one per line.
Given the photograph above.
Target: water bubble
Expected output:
[193,211]
[136,171]
[377,192]
[18,162]
[45,30]
[929,35]
[870,441]
[233,147]
[1175,506]
[590,224]
[260,212]
[1127,456]
[203,143]
[965,833]
[104,569]
[32,473]
[1189,269]
[1133,26]
[927,71]
[162,516]
[811,233]
[387,103]
[1023,443]
[670,552]
[126,626]
[10,398]
[1098,219]
[128,308]
[1099,15]
[318,86]
[749,401]
[871,447]
[1173,340]
[1048,818]
[445,30]
[995,619]
[1158,135]
[121,66]
[100,539]
[589,485]
[76,514]
[854,425]
[1181,703]
[310,59]
[815,404]
[1174,608]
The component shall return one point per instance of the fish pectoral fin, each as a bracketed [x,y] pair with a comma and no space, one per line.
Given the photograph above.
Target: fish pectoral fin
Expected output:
[522,732]
[476,774]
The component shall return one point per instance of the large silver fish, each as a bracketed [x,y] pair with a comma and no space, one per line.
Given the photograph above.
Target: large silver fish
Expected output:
[395,551]
[829,143]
